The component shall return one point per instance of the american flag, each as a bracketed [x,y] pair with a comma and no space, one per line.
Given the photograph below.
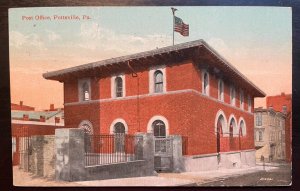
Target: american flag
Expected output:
[181,27]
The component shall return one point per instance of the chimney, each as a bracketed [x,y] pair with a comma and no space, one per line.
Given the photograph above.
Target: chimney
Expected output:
[25,117]
[57,119]
[21,103]
[52,107]
[42,118]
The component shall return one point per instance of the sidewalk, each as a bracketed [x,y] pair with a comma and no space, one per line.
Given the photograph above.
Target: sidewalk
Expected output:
[163,179]
[208,176]
[140,181]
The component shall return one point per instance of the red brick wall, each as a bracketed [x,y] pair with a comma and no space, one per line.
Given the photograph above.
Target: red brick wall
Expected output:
[70,91]
[21,107]
[277,102]
[189,113]
[104,90]
[183,76]
[132,84]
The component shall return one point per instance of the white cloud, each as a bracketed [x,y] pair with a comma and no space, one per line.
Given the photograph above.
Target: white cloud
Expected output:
[52,36]
[94,37]
[17,39]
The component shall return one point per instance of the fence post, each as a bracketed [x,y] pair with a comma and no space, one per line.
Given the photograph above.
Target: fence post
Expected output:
[147,152]
[177,153]
[138,147]
[70,154]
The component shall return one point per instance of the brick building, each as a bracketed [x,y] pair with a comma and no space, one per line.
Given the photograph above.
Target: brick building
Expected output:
[187,89]
[26,122]
[283,103]
[21,107]
[269,133]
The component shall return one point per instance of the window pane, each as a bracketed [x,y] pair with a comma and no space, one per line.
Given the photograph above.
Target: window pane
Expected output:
[205,83]
[159,128]
[159,87]
[119,86]
[85,92]
[158,81]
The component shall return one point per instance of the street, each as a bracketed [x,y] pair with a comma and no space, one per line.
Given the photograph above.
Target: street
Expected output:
[277,177]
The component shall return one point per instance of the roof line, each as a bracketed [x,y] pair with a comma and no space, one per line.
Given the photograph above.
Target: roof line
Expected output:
[152,52]
[124,58]
[232,67]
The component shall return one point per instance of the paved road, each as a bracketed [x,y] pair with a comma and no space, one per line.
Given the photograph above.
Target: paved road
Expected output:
[280,176]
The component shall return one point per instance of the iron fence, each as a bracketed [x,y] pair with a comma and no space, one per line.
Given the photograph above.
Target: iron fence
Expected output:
[109,149]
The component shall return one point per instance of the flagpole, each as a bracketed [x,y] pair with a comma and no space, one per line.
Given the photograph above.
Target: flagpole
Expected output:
[173,25]
[173,11]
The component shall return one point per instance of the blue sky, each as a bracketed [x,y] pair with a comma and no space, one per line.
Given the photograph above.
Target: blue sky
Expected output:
[256,40]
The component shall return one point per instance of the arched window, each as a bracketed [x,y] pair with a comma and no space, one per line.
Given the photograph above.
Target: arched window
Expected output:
[242,129]
[88,132]
[232,126]
[221,90]
[241,99]
[119,87]
[220,127]
[158,81]
[205,83]
[119,128]
[232,95]
[119,133]
[159,128]
[85,92]
[87,127]
[249,104]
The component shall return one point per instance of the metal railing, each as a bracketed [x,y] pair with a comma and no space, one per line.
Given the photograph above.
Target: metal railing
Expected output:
[109,149]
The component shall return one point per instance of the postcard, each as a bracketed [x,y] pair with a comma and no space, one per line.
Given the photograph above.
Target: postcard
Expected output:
[151,96]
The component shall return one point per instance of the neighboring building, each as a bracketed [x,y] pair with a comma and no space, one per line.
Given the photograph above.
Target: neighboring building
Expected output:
[21,107]
[186,89]
[269,135]
[283,103]
[25,122]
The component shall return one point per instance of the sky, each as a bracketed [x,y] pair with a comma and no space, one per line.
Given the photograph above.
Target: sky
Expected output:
[256,40]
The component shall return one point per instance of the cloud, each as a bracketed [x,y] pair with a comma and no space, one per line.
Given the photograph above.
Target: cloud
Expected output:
[17,39]
[89,30]
[52,36]
[93,37]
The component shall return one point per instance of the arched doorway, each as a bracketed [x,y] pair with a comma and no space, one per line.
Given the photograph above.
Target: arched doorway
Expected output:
[119,133]
[232,126]
[241,133]
[220,126]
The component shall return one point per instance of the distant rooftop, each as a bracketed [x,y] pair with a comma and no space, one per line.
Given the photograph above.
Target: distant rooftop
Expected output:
[34,115]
